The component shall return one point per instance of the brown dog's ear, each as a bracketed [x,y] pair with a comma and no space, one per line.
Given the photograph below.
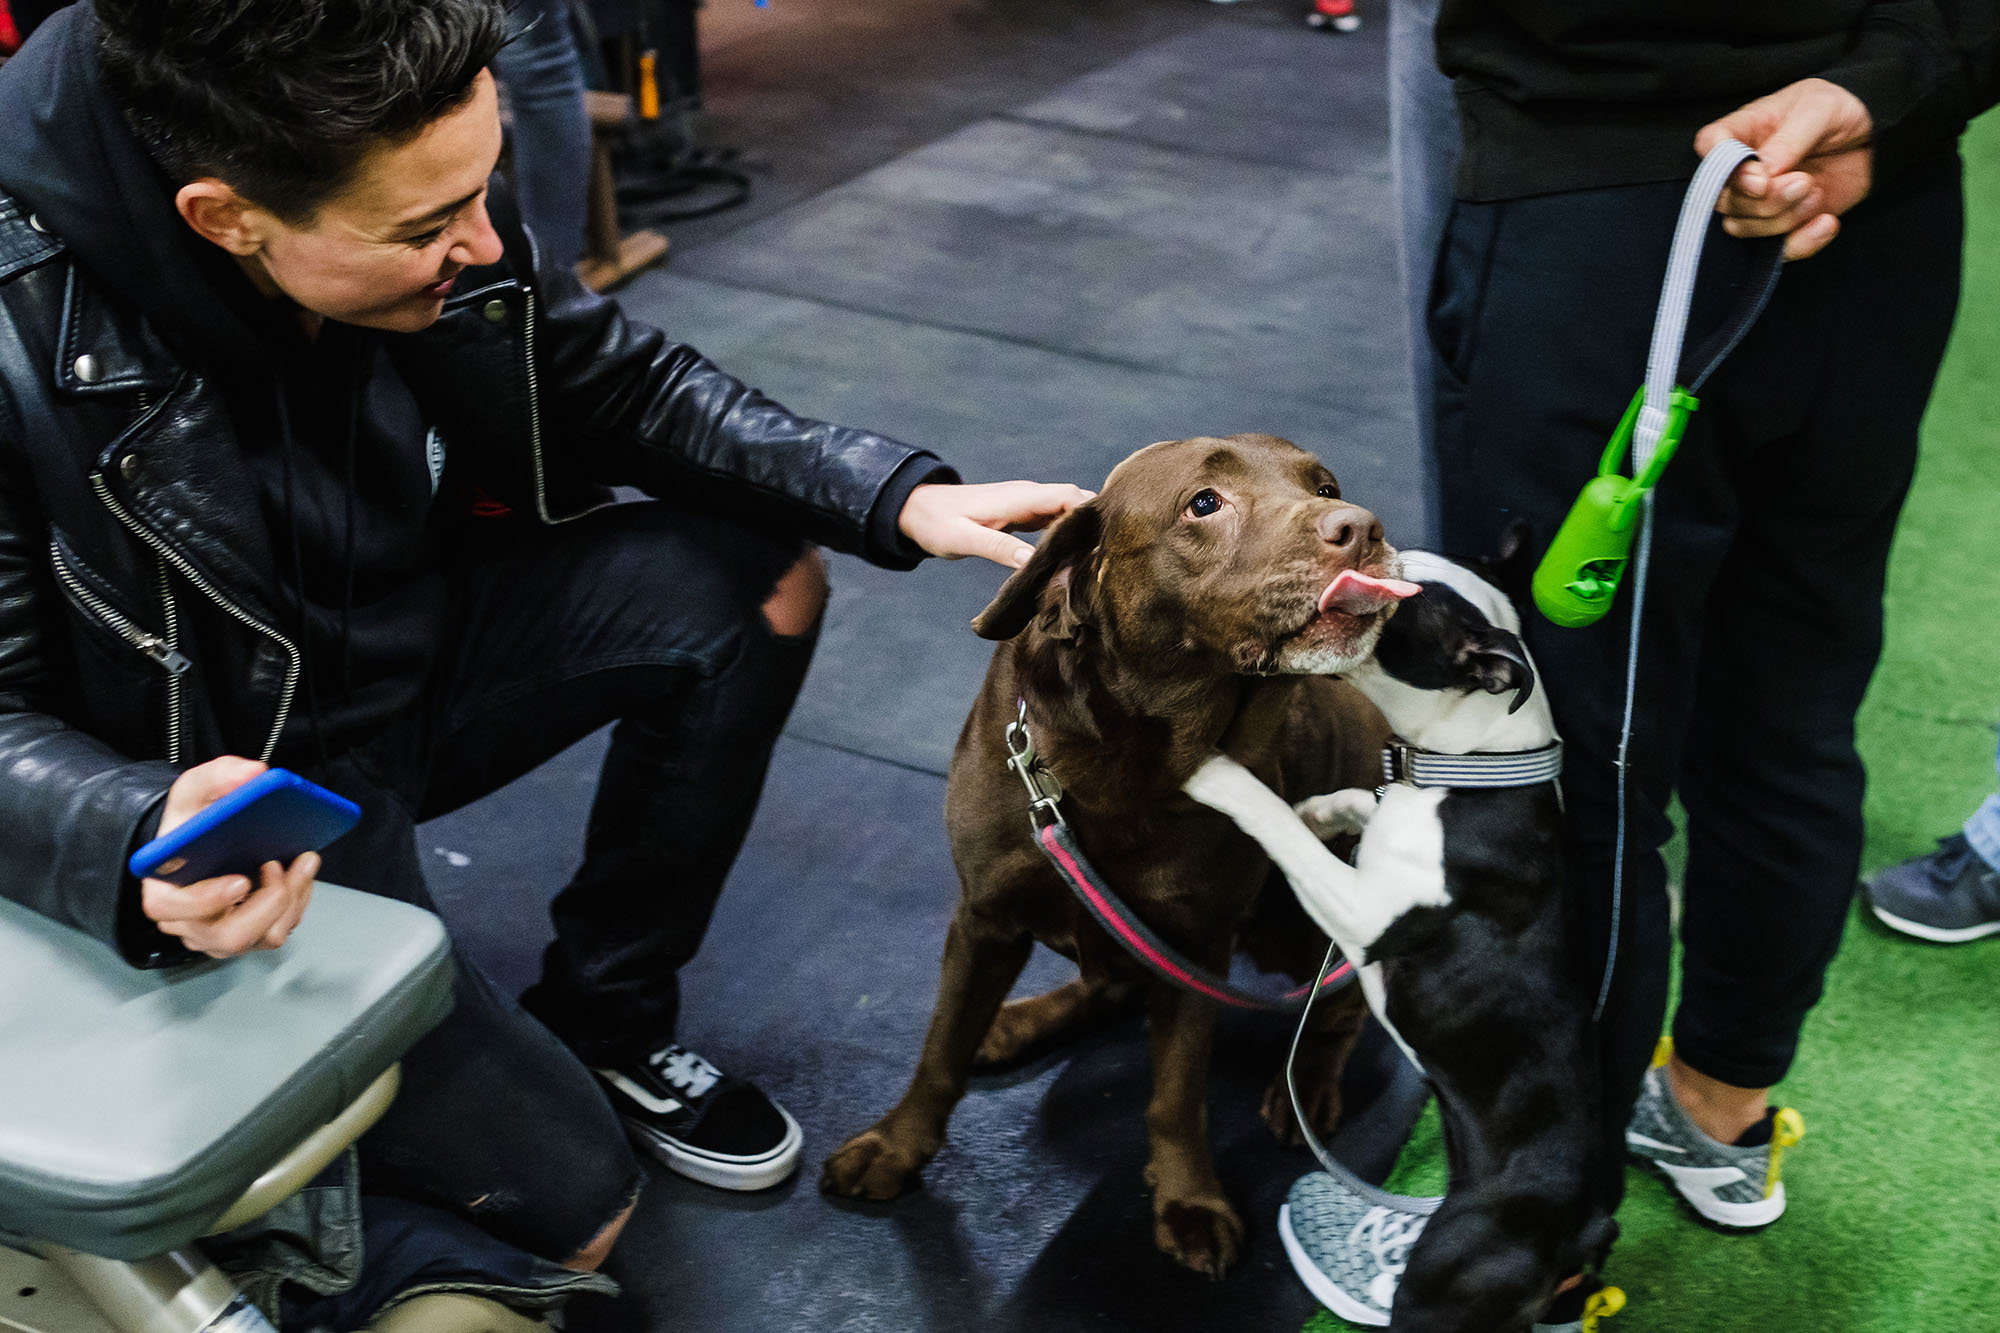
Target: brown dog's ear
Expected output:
[1061,552]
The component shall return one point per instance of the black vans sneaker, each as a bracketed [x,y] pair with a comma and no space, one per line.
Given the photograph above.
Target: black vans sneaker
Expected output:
[702,1123]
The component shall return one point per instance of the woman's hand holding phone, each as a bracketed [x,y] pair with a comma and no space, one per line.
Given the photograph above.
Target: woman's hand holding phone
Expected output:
[227,915]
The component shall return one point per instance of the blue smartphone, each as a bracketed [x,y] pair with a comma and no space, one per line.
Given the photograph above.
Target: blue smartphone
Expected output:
[276,816]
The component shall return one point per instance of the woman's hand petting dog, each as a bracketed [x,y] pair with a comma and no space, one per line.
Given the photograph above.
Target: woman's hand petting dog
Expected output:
[955,521]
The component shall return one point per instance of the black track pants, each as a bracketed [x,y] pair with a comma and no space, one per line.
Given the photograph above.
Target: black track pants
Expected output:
[1763,616]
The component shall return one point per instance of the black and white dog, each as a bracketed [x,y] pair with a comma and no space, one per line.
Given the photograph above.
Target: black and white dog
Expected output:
[1453,913]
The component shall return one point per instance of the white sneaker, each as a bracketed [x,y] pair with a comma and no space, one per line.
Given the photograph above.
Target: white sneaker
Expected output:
[1731,1186]
[1350,1245]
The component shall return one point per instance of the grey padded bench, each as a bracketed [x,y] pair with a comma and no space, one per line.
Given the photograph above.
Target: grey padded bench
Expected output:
[137,1108]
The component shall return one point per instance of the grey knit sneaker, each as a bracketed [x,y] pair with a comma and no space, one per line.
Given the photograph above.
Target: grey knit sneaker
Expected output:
[1349,1242]
[1730,1185]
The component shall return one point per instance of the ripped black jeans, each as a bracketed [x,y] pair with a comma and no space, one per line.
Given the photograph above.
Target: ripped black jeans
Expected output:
[642,615]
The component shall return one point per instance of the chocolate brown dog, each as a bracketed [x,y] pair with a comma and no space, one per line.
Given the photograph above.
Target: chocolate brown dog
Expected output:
[1196,603]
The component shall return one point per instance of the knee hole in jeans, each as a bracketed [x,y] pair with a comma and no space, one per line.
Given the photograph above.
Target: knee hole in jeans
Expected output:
[592,1256]
[799,599]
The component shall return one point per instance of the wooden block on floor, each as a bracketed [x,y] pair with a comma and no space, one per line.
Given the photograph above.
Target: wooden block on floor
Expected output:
[607,109]
[610,257]
[637,251]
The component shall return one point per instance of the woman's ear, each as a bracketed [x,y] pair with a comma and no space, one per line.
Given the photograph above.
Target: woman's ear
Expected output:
[1057,567]
[218,214]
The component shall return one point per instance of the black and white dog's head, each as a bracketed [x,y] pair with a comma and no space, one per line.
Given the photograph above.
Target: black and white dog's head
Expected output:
[1450,672]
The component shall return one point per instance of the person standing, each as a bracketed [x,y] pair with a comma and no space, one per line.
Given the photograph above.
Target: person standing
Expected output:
[1579,132]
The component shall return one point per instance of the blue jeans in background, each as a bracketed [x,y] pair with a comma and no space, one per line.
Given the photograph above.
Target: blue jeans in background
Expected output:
[543,76]
[1982,831]
[1423,152]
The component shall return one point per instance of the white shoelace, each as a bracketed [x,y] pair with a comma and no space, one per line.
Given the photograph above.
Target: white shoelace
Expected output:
[1387,1235]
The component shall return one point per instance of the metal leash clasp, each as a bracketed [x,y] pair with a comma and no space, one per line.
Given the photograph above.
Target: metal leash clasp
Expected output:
[1043,789]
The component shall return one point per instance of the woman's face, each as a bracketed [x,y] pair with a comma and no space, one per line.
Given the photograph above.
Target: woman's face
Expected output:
[384,252]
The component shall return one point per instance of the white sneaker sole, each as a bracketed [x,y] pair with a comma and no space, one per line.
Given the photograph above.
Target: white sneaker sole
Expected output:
[1321,1286]
[723,1170]
[1696,1185]
[1935,934]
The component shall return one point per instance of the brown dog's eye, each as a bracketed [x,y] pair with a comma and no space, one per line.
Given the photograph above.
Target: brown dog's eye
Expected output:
[1204,504]
[1329,491]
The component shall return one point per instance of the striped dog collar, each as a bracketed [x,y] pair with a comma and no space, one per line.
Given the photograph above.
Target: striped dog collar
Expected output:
[1413,767]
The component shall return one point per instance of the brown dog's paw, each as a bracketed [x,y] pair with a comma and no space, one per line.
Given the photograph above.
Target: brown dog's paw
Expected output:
[870,1165]
[1018,1026]
[1321,1100]
[1032,1025]
[1205,1235]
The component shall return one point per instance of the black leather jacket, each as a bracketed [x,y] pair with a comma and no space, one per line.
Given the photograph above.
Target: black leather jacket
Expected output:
[126,515]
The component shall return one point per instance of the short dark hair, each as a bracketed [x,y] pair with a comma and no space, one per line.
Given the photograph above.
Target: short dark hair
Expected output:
[284,98]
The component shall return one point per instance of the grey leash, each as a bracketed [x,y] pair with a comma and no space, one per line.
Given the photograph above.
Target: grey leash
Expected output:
[1663,366]
[1377,1197]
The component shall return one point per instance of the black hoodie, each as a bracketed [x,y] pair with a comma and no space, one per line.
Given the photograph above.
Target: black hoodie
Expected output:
[343,461]
[70,159]
[1556,95]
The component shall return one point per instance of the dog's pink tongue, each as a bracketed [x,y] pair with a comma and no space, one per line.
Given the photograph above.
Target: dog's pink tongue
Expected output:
[1354,593]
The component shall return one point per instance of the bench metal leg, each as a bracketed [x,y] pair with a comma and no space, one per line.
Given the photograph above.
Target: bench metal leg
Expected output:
[36,1297]
[176,1292]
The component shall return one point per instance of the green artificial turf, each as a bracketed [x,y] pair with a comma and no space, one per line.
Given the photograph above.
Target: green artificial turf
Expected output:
[1894,1221]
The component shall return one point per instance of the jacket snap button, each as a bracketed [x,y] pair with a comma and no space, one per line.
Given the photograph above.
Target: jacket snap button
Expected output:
[86,368]
[35,221]
[496,310]
[128,466]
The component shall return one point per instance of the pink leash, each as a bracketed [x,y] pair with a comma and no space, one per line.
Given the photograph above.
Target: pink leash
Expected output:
[1058,842]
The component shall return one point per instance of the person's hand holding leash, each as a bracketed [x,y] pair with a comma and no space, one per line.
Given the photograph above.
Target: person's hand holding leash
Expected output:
[1815,160]
[955,521]
[227,915]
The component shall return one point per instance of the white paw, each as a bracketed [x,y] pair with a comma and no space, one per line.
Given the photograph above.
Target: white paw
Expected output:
[1337,812]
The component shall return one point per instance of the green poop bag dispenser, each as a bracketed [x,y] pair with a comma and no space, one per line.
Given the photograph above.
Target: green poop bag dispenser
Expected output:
[1578,579]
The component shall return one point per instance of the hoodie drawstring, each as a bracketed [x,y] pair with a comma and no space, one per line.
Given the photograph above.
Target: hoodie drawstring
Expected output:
[304,626]
[357,387]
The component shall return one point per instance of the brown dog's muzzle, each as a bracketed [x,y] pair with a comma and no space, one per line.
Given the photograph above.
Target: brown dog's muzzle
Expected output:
[1350,528]
[1344,627]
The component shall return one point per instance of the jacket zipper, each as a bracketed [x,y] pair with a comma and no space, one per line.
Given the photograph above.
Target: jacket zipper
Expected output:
[160,649]
[534,403]
[171,618]
[535,422]
[170,557]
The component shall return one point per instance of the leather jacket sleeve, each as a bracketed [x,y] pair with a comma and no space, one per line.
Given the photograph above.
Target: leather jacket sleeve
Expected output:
[70,807]
[660,416]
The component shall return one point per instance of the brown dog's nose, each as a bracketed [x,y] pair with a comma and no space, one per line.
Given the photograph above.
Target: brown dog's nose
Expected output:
[1346,525]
